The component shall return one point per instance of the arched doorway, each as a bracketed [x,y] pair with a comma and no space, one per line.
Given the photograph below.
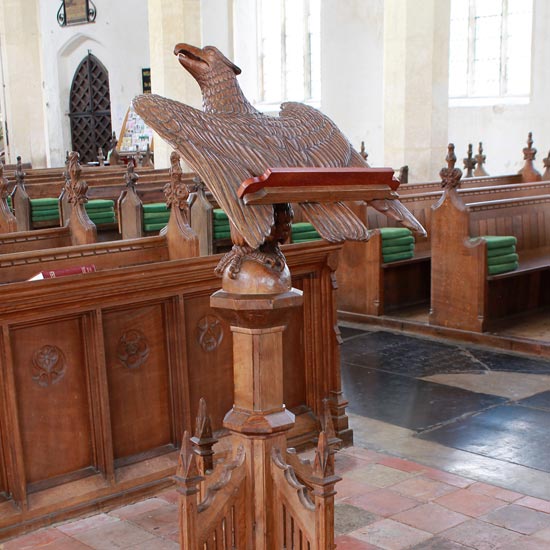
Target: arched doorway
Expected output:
[90,109]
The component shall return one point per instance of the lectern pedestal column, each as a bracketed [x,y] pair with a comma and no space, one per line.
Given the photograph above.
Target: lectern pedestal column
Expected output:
[258,420]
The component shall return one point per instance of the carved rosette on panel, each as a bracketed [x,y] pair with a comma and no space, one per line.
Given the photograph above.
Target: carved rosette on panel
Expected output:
[209,332]
[48,366]
[133,349]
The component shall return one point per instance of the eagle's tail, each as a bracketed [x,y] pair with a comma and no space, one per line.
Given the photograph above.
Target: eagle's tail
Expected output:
[335,222]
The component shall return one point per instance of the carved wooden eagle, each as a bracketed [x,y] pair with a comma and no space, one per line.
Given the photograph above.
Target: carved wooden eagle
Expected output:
[230,141]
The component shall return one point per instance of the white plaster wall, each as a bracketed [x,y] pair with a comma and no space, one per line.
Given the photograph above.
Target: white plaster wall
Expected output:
[119,39]
[503,128]
[352,77]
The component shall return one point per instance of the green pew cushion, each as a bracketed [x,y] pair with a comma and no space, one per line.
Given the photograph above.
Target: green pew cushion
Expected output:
[155,207]
[302,227]
[397,241]
[502,268]
[9,201]
[506,259]
[394,232]
[100,204]
[221,223]
[306,236]
[498,241]
[45,217]
[396,257]
[219,214]
[397,249]
[154,226]
[44,203]
[222,234]
[156,216]
[503,251]
[46,214]
[107,217]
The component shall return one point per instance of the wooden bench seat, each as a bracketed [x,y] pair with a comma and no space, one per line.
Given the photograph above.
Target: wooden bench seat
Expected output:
[370,287]
[463,294]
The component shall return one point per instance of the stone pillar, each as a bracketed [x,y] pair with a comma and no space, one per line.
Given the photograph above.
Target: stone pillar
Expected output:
[352,58]
[21,80]
[172,22]
[416,75]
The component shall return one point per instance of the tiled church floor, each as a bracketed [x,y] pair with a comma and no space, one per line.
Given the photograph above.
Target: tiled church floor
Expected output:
[452,451]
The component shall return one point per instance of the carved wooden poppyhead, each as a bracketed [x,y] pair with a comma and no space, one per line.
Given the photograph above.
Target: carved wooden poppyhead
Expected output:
[203,63]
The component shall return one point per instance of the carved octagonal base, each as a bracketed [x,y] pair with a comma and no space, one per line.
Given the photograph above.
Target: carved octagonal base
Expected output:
[257,323]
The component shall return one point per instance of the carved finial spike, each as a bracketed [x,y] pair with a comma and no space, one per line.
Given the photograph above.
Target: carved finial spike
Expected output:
[451,157]
[130,176]
[19,168]
[363,151]
[187,466]
[322,466]
[480,148]
[203,425]
[530,140]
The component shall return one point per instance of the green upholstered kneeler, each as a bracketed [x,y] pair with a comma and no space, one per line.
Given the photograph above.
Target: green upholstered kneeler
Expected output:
[397,249]
[496,241]
[219,214]
[506,259]
[103,217]
[396,257]
[100,204]
[44,203]
[301,227]
[397,241]
[504,251]
[502,268]
[155,207]
[156,216]
[394,232]
[154,226]
[44,215]
[222,234]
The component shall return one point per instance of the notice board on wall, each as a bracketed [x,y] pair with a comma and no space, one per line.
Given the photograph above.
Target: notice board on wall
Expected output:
[134,134]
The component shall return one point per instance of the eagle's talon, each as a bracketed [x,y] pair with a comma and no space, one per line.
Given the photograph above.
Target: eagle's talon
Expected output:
[232,261]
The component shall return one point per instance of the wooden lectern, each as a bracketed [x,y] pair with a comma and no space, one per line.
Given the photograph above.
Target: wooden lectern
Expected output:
[265,497]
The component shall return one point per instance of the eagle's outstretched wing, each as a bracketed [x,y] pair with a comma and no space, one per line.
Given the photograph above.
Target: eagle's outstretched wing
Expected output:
[212,147]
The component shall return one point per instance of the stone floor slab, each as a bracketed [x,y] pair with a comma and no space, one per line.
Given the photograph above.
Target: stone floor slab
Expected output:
[480,535]
[430,517]
[517,518]
[391,535]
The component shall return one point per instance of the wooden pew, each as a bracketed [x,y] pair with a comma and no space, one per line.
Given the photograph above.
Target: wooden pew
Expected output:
[463,294]
[101,373]
[371,287]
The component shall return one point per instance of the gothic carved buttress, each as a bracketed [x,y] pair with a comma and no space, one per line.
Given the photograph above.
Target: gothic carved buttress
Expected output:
[48,366]
[133,349]
[209,332]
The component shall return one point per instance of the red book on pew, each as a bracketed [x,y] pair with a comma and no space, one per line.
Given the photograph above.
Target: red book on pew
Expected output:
[54,273]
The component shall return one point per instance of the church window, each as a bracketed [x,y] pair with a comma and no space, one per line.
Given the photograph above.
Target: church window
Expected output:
[289,51]
[490,49]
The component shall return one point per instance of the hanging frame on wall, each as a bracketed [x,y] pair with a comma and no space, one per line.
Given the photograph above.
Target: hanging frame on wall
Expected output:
[76,12]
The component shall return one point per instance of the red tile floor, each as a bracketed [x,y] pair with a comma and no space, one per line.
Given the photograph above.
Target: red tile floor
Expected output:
[383,502]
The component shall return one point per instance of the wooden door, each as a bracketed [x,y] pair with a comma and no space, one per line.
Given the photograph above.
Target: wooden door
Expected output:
[90,109]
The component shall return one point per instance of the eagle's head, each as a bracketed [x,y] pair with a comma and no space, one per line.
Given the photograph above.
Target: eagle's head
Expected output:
[205,63]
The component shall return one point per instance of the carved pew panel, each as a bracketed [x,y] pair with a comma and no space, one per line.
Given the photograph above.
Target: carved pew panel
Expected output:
[139,377]
[130,419]
[53,402]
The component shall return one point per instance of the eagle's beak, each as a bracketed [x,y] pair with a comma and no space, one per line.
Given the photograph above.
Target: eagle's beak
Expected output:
[190,57]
